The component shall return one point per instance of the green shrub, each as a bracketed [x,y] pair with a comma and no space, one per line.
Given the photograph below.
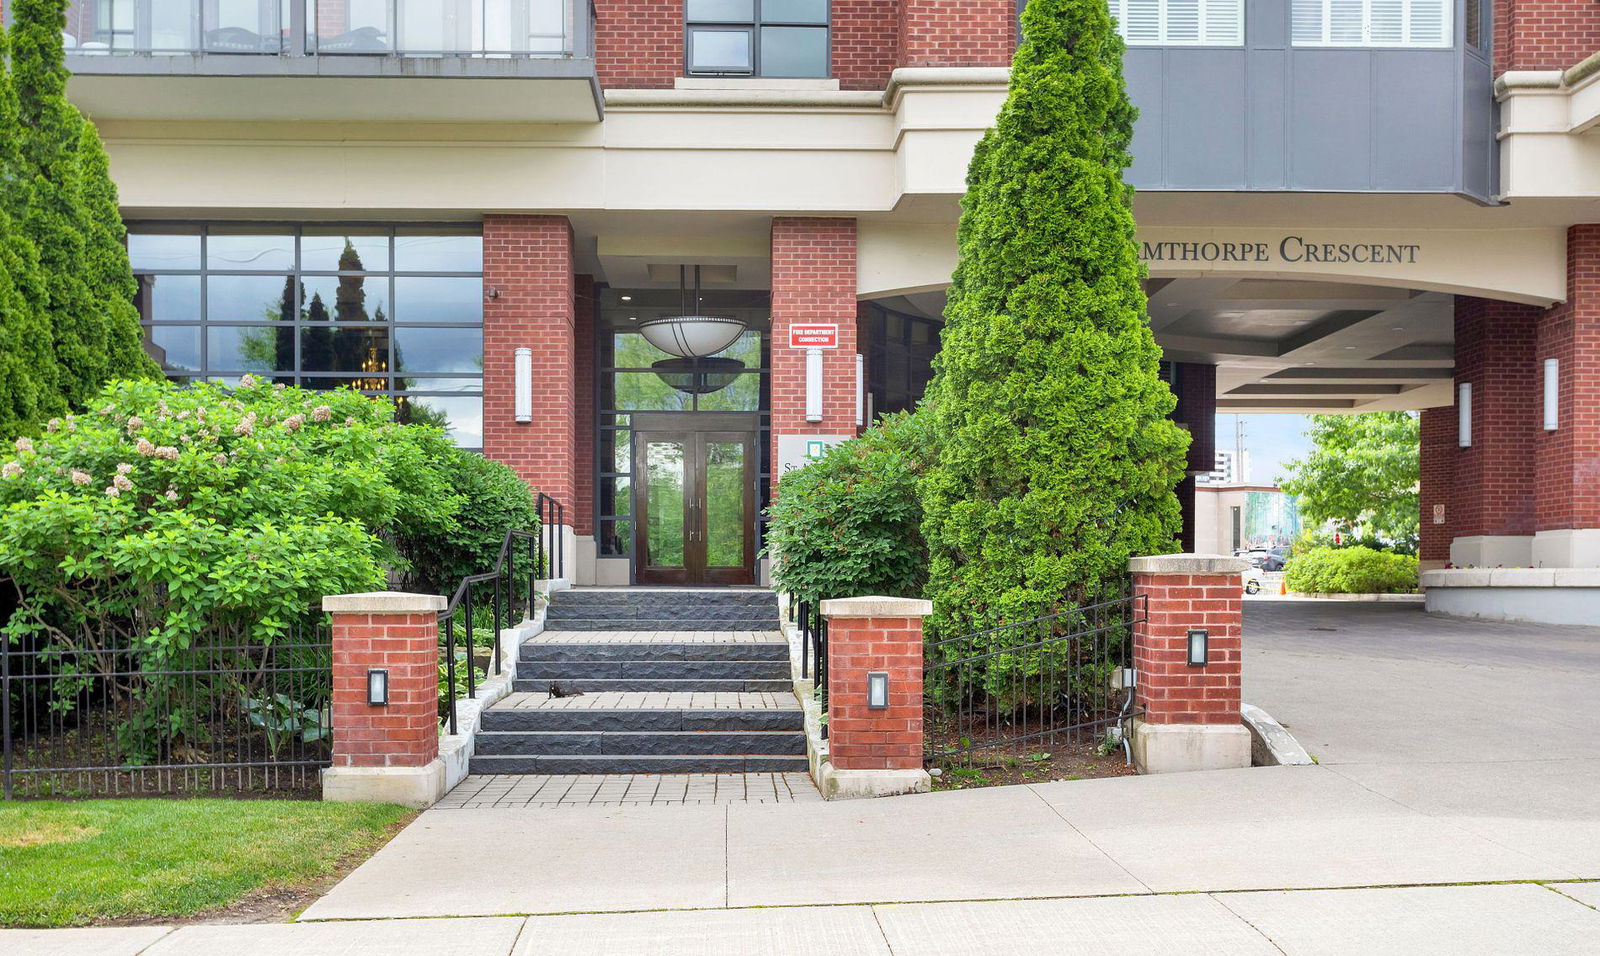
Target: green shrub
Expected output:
[1355,570]
[1056,458]
[493,501]
[849,523]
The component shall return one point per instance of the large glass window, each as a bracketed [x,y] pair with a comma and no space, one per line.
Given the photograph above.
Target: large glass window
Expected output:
[1372,23]
[899,347]
[1180,22]
[776,38]
[393,311]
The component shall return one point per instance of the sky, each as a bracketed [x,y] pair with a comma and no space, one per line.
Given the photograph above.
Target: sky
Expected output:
[1269,440]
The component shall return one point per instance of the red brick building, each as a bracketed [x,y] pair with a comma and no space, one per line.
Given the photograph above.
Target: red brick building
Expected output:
[721,230]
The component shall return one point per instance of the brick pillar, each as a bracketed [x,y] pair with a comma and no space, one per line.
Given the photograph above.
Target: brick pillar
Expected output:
[1190,715]
[1493,479]
[387,752]
[1566,461]
[957,32]
[586,314]
[1438,453]
[874,752]
[529,303]
[813,281]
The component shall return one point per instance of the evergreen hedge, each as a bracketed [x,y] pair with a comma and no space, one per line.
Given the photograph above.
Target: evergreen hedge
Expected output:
[67,320]
[1056,458]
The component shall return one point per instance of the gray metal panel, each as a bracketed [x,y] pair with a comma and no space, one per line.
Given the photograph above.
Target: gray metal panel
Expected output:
[1205,112]
[1414,120]
[1267,161]
[1480,150]
[1266,24]
[1146,77]
[1330,119]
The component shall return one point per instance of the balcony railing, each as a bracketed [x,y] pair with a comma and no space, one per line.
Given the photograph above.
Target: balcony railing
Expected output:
[406,28]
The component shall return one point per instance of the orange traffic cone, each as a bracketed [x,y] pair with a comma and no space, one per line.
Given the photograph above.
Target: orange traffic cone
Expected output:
[1283,587]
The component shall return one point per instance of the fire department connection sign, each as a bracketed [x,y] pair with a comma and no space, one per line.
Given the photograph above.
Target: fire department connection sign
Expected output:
[813,336]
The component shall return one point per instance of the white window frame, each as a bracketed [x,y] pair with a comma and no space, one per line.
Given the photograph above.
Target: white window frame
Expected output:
[1119,11]
[1446,34]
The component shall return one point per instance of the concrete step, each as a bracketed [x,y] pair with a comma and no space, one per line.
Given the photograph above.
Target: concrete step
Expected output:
[670,743]
[565,652]
[588,685]
[638,763]
[589,620]
[667,669]
[664,597]
[607,720]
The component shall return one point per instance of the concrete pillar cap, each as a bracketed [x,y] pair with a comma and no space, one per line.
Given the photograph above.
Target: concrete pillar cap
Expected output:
[877,607]
[1187,564]
[383,602]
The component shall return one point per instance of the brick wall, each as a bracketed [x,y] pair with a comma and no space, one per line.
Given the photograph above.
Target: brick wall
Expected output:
[1169,690]
[1493,479]
[957,32]
[1438,454]
[585,312]
[866,42]
[528,260]
[406,732]
[1567,460]
[861,738]
[638,43]
[1544,34]
[813,280]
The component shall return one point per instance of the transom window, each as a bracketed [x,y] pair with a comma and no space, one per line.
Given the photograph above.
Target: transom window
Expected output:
[1392,23]
[776,38]
[1180,22]
[395,311]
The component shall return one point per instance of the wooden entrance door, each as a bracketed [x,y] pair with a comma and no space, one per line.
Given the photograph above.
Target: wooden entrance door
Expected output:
[696,503]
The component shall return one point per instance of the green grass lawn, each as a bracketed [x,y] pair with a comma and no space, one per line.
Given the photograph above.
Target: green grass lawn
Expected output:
[69,864]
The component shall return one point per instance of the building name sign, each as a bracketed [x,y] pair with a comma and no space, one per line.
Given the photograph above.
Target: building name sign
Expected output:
[1287,249]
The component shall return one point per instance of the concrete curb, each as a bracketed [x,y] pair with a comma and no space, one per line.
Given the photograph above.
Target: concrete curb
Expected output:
[1317,596]
[1271,745]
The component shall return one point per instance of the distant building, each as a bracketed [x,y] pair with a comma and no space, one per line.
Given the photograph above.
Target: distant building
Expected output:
[1231,518]
[1231,470]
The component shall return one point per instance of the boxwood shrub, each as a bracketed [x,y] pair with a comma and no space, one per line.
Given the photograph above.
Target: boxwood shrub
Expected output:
[1356,570]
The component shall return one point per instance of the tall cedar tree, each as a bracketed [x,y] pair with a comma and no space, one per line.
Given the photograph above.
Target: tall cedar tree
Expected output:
[1056,458]
[67,208]
[27,359]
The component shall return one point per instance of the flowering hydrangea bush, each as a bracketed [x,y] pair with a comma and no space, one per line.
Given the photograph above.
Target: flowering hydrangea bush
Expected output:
[165,513]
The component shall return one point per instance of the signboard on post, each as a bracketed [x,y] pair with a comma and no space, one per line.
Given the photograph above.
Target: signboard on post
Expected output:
[813,335]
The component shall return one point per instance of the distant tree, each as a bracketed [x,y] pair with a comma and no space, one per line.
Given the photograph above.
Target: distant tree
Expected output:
[1055,459]
[1362,472]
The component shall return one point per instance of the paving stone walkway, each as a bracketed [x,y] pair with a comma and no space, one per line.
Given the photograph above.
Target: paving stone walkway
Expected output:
[652,700]
[503,791]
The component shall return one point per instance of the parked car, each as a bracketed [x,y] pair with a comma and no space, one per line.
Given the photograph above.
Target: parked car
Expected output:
[1252,581]
[1254,555]
[1275,559]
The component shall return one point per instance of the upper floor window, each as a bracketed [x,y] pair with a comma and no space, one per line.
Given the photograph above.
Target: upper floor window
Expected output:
[1180,22]
[777,38]
[1398,23]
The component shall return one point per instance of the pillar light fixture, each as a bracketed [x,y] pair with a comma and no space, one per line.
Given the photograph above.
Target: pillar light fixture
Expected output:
[1552,394]
[877,690]
[524,386]
[1464,415]
[1199,646]
[813,385]
[378,687]
[861,390]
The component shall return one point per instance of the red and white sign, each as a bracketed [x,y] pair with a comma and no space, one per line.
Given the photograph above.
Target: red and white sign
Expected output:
[813,336]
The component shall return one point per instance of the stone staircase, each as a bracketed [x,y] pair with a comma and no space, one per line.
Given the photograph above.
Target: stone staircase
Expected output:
[671,681]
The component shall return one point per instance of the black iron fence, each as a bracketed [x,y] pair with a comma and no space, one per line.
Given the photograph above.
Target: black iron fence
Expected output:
[813,629]
[1014,692]
[229,713]
[552,540]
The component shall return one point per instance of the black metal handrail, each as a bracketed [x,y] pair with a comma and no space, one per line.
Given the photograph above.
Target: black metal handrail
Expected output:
[813,649]
[546,558]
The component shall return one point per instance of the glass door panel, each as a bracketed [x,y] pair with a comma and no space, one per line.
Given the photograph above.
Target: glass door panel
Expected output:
[726,524]
[666,495]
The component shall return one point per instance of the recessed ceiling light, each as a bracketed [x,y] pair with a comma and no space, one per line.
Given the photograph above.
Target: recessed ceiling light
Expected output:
[633,318]
[1398,328]
[1349,348]
[627,298]
[1308,363]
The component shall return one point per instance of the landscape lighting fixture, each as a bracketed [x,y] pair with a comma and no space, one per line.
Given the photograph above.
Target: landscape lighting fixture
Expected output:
[1199,649]
[378,687]
[877,690]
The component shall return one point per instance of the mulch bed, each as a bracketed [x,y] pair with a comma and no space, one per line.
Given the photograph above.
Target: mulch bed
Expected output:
[1066,755]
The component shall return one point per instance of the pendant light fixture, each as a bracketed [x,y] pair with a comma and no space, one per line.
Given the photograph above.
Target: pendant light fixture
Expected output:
[694,338]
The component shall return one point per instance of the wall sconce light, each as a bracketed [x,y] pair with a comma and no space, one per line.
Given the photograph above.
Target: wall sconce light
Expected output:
[378,687]
[861,389]
[1199,646]
[1464,415]
[877,690]
[813,385]
[494,293]
[1552,394]
[524,386]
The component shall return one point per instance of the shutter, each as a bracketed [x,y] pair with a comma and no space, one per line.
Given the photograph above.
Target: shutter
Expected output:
[1141,21]
[1345,22]
[1428,23]
[1183,21]
[1387,23]
[1223,22]
[1309,22]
